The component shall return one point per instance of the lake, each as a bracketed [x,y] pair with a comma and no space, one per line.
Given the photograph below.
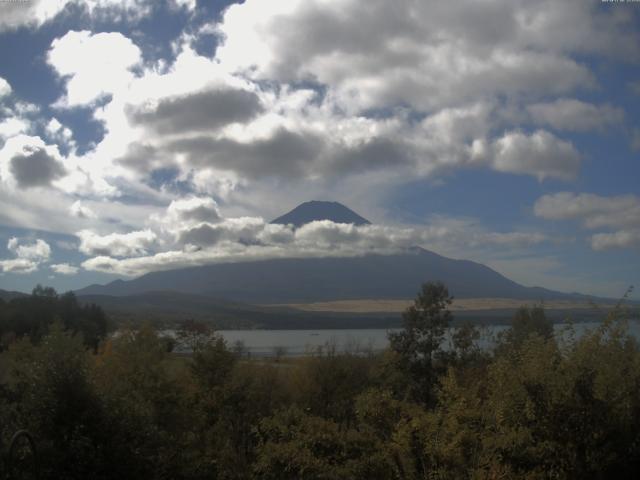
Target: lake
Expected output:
[267,343]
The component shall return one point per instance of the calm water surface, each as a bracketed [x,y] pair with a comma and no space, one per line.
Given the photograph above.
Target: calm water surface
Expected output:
[300,342]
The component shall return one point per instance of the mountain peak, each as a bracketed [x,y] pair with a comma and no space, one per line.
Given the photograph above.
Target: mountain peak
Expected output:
[320,210]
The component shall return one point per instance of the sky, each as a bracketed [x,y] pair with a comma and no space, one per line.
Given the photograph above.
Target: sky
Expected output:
[143,135]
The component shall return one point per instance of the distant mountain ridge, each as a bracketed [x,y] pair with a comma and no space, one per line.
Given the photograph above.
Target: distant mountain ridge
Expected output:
[300,280]
[330,278]
[9,295]
[320,210]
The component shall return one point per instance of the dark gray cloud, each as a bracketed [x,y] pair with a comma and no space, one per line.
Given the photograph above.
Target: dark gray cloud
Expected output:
[193,209]
[243,231]
[291,155]
[374,154]
[285,154]
[36,169]
[201,111]
[145,158]
[202,235]
[202,213]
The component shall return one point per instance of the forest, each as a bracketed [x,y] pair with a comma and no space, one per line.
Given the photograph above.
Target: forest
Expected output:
[537,405]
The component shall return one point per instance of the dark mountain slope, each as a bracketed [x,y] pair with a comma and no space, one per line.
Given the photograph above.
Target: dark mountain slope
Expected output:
[322,279]
[7,295]
[316,210]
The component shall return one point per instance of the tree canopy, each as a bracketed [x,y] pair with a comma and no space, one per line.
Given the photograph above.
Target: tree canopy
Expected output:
[33,315]
[433,405]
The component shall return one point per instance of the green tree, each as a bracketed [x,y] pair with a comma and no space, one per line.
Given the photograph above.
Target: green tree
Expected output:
[541,411]
[54,398]
[327,382]
[418,345]
[33,315]
[193,335]
[528,321]
[297,446]
[143,390]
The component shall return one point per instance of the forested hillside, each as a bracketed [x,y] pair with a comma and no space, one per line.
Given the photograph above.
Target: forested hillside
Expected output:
[32,315]
[535,406]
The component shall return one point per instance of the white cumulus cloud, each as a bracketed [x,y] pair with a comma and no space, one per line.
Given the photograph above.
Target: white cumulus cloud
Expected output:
[64,269]
[12,126]
[32,13]
[37,251]
[116,244]
[5,88]
[619,239]
[35,13]
[423,54]
[79,210]
[18,265]
[198,238]
[620,213]
[540,154]
[575,115]
[93,64]
[594,211]
[29,255]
